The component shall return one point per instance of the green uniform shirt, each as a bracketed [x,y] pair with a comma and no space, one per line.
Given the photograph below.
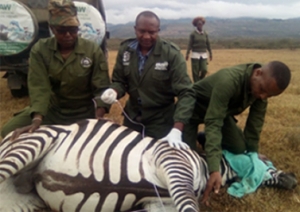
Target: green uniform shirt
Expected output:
[152,93]
[198,42]
[69,85]
[227,93]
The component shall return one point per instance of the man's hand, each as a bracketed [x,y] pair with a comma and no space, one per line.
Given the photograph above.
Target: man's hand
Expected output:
[174,139]
[100,111]
[187,58]
[36,122]
[109,96]
[214,183]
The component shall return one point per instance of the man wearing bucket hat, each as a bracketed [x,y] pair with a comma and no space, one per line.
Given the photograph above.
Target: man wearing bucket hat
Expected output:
[65,73]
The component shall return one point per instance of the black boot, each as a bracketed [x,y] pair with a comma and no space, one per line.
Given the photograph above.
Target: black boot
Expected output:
[201,139]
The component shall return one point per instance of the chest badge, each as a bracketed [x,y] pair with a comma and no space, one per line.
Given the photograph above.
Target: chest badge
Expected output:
[126,58]
[161,66]
[86,62]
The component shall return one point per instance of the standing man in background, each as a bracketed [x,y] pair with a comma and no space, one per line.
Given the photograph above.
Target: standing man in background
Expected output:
[199,44]
[153,72]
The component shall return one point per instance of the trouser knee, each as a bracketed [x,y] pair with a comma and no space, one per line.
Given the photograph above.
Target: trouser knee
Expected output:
[234,147]
[5,131]
[3,134]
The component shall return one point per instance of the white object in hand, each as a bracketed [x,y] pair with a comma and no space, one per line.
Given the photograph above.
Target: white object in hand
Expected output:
[109,96]
[174,139]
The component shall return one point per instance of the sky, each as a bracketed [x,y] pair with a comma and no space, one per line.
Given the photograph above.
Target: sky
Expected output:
[124,11]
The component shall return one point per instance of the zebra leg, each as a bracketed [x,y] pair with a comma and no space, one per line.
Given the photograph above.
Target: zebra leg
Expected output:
[12,200]
[280,179]
[159,206]
[178,176]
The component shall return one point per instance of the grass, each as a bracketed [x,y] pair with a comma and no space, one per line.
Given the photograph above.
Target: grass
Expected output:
[280,138]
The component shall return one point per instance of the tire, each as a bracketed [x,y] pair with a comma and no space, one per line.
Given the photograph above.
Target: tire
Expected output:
[19,93]
[21,28]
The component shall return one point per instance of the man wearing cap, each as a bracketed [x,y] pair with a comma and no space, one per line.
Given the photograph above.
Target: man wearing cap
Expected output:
[65,73]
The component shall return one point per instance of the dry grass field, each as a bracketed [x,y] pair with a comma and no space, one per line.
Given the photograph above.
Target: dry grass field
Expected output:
[280,139]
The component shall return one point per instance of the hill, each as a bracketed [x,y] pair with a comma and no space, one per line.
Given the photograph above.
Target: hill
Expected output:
[246,28]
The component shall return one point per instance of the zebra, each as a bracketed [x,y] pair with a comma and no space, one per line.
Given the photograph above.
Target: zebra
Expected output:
[98,165]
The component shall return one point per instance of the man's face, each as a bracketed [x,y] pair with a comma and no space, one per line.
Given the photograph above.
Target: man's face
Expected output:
[263,85]
[65,36]
[146,31]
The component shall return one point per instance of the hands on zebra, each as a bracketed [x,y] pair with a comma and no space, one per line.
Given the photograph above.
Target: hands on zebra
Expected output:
[174,139]
[36,123]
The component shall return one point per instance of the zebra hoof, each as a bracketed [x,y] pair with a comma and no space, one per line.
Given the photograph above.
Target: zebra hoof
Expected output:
[287,181]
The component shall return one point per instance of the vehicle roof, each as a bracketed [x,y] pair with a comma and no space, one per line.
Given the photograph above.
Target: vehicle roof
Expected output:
[38,7]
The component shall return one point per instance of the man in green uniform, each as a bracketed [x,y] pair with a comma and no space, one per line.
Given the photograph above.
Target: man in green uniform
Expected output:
[224,94]
[153,72]
[65,74]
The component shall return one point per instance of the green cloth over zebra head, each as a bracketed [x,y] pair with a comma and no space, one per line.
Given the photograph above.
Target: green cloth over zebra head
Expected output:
[62,13]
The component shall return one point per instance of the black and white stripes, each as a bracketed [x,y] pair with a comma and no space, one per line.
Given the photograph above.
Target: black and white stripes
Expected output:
[101,166]
[18,154]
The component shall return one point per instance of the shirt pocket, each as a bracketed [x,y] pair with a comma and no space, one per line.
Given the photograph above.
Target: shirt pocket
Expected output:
[160,75]
[79,77]
[161,80]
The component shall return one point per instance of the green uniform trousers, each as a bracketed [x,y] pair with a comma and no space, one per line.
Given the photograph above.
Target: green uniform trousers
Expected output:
[233,138]
[61,117]
[199,68]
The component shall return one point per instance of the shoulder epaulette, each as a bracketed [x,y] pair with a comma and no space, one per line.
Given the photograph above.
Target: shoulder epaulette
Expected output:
[127,40]
[175,46]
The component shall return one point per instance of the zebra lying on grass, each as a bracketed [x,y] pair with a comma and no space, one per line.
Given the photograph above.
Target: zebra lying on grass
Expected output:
[101,166]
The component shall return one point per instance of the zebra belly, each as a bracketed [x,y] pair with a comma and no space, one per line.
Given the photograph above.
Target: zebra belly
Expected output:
[106,183]
[60,201]
[66,193]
